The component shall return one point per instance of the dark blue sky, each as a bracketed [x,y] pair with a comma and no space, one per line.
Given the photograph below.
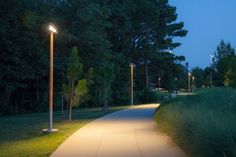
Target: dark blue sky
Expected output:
[208,22]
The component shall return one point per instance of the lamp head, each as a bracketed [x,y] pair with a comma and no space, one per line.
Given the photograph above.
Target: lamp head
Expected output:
[132,65]
[52,29]
[169,51]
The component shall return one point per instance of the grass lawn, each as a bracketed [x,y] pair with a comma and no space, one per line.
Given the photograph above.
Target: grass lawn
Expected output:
[20,136]
[203,125]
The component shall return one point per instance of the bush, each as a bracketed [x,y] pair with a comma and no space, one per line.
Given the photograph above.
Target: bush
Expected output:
[203,125]
[147,95]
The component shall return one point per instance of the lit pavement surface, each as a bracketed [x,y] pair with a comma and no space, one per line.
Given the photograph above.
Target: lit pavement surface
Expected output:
[126,133]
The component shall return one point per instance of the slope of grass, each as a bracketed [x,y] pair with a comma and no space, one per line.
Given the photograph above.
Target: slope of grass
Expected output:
[20,136]
[203,125]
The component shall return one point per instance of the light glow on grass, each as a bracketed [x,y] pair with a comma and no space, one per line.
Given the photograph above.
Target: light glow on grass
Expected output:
[22,136]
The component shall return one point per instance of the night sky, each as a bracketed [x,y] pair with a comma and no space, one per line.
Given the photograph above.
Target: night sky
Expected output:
[208,22]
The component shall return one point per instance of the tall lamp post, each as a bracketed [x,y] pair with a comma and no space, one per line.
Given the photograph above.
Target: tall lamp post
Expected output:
[189,81]
[50,129]
[193,83]
[159,83]
[132,83]
[211,56]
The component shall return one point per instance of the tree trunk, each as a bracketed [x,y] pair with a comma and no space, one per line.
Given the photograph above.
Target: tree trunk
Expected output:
[105,98]
[146,72]
[70,111]
[67,106]
[37,91]
[71,99]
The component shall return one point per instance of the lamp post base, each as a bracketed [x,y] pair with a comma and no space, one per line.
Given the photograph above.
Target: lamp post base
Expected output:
[48,131]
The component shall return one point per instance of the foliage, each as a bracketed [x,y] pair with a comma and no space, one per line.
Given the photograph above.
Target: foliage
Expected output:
[147,96]
[208,73]
[109,35]
[87,98]
[202,125]
[222,71]
[198,74]
[80,91]
[76,88]
[224,63]
[75,68]
[105,77]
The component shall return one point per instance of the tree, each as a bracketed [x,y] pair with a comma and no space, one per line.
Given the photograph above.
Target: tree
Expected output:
[208,73]
[105,77]
[198,74]
[23,58]
[222,57]
[141,31]
[110,35]
[76,87]
[228,65]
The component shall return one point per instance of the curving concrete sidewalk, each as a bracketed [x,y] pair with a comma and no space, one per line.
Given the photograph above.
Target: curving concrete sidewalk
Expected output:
[126,133]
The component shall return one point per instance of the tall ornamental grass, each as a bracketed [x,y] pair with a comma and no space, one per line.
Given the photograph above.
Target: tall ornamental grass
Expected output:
[203,125]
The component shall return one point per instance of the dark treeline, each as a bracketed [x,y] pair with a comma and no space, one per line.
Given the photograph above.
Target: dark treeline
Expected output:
[222,71]
[105,35]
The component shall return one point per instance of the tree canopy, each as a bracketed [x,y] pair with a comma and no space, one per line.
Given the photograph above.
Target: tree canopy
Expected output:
[224,64]
[109,35]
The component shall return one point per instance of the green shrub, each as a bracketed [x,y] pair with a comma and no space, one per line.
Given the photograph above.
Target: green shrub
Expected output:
[203,125]
[149,96]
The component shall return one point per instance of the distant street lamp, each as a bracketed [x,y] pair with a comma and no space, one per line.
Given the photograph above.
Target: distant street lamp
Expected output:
[193,83]
[159,83]
[189,81]
[50,129]
[132,83]
[211,57]
[170,52]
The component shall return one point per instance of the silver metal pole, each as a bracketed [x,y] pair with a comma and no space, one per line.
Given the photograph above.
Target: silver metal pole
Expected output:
[51,83]
[50,114]
[189,75]
[132,84]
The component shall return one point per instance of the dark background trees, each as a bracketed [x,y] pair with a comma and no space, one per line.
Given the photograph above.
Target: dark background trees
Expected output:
[200,78]
[222,71]
[109,36]
[224,64]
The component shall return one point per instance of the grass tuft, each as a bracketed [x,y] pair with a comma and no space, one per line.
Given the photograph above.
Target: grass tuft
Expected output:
[203,125]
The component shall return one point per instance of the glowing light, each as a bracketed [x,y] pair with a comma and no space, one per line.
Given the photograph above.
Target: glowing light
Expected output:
[170,52]
[132,65]
[52,29]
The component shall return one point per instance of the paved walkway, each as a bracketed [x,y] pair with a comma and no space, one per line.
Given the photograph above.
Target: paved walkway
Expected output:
[126,133]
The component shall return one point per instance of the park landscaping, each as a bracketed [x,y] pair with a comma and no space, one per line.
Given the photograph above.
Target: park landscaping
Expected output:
[21,136]
[203,125]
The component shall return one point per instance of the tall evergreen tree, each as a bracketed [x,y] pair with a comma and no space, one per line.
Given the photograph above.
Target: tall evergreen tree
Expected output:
[223,55]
